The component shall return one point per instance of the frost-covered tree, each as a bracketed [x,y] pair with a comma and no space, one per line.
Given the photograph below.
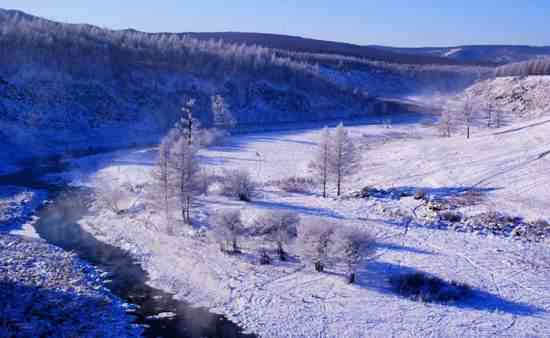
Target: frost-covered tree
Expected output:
[227,228]
[223,118]
[238,183]
[344,158]
[354,246]
[498,117]
[446,122]
[279,227]
[315,239]
[186,182]
[469,108]
[320,166]
[184,161]
[163,173]
[188,126]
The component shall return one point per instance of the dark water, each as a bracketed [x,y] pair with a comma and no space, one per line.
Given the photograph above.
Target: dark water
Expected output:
[58,225]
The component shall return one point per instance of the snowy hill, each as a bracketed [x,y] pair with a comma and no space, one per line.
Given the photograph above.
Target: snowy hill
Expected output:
[521,98]
[66,86]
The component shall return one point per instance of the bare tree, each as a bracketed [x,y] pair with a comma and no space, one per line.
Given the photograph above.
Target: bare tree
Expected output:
[498,117]
[227,228]
[445,124]
[239,184]
[354,246]
[223,118]
[188,126]
[320,166]
[187,180]
[279,227]
[469,108]
[163,173]
[344,159]
[315,241]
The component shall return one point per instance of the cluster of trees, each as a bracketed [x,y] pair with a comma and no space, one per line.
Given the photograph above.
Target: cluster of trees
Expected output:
[324,243]
[467,111]
[321,243]
[336,159]
[178,175]
[533,67]
[39,41]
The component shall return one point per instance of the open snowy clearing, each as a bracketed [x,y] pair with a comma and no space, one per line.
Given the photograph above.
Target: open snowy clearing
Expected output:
[510,278]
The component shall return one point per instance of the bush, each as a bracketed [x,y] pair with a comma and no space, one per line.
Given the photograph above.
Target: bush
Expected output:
[316,239]
[354,246]
[278,227]
[300,185]
[227,228]
[423,287]
[239,184]
[450,216]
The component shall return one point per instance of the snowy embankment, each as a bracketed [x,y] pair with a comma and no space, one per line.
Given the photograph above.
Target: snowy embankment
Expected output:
[17,206]
[288,299]
[48,292]
[521,98]
[45,291]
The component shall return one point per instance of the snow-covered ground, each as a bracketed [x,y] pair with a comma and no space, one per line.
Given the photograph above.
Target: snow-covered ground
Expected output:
[511,278]
[17,206]
[45,291]
[48,292]
[521,98]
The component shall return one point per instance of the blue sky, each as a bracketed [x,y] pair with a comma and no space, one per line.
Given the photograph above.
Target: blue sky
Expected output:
[390,22]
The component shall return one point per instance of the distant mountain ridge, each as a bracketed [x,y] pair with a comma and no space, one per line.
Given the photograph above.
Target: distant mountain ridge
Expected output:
[484,54]
[315,46]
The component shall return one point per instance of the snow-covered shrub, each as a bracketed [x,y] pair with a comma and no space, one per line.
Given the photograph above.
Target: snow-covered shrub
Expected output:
[450,216]
[300,185]
[227,227]
[278,227]
[239,184]
[112,195]
[315,239]
[423,287]
[354,246]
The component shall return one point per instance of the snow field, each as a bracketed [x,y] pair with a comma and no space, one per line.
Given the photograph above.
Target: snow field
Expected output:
[289,299]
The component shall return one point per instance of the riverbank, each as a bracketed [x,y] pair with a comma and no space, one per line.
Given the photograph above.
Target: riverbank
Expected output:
[48,292]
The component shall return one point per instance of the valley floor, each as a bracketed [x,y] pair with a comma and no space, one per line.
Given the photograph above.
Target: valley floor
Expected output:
[510,278]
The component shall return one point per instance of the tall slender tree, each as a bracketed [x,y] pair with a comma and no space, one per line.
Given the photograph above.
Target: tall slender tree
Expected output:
[320,165]
[344,157]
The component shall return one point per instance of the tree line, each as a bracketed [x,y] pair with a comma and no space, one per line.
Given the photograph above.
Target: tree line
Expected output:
[539,66]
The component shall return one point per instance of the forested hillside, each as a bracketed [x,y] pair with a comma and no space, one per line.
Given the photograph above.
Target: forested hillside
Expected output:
[534,67]
[66,86]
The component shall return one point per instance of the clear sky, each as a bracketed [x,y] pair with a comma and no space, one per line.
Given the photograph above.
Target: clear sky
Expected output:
[390,22]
